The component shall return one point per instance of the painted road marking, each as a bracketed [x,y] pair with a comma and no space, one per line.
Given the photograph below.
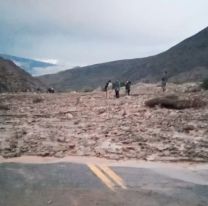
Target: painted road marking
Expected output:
[107,176]
[102,176]
[117,179]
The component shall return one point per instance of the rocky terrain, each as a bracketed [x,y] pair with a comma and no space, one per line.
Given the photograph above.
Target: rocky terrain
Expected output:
[87,124]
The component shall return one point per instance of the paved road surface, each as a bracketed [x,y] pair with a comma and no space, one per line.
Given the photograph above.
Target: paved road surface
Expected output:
[69,184]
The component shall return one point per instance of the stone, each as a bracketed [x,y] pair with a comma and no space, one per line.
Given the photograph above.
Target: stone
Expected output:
[188,128]
[101,111]
[69,116]
[61,139]
[174,102]
[127,148]
[59,154]
[72,146]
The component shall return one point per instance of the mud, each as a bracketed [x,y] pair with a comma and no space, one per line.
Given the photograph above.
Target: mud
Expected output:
[86,124]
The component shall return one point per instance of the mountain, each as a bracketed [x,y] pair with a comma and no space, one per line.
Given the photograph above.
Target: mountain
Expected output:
[28,65]
[187,61]
[15,79]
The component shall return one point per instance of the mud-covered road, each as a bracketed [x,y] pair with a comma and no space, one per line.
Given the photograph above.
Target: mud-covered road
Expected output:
[87,124]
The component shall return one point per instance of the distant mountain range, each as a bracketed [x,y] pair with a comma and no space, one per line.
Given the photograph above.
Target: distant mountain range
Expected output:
[187,61]
[15,79]
[28,65]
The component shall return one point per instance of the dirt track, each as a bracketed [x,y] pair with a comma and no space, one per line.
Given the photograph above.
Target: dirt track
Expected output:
[87,124]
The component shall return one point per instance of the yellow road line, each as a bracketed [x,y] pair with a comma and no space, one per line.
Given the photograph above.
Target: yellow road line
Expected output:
[102,176]
[117,179]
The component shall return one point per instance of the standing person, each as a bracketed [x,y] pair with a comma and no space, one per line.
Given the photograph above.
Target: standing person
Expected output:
[164,81]
[128,87]
[117,88]
[108,88]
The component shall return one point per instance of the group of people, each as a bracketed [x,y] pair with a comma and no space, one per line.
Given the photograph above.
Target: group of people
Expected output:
[109,86]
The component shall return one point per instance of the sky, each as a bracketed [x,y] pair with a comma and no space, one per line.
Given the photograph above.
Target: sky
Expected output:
[84,32]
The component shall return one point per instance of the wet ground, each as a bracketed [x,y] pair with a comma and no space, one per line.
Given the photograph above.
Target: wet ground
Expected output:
[73,184]
[88,124]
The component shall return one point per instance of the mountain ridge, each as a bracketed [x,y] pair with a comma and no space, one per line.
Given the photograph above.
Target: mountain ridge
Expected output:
[27,64]
[15,79]
[187,56]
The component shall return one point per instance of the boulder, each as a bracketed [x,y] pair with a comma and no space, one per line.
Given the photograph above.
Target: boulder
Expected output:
[4,107]
[174,102]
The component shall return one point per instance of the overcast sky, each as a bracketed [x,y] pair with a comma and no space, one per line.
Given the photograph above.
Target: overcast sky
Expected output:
[83,32]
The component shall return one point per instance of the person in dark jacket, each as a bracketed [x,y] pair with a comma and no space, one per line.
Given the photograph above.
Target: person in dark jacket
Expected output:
[117,88]
[128,87]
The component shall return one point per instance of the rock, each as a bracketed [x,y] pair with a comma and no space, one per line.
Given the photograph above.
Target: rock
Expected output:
[59,154]
[125,128]
[143,129]
[24,148]
[192,87]
[61,139]
[59,148]
[37,100]
[72,146]
[131,154]
[127,148]
[188,128]
[99,152]
[9,154]
[5,145]
[113,157]
[125,142]
[173,102]
[44,153]
[77,122]
[4,107]
[123,112]
[101,111]
[69,116]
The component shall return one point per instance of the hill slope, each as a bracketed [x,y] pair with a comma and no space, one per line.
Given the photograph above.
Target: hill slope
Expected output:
[13,78]
[28,65]
[184,62]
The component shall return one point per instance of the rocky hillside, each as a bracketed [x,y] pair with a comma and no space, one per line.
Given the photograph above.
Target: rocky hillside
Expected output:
[184,62]
[13,78]
[29,65]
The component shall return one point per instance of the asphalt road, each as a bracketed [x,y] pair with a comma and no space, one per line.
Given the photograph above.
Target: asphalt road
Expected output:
[67,184]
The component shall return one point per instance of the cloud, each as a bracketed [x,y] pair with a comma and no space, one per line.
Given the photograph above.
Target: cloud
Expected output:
[51,61]
[84,32]
[38,71]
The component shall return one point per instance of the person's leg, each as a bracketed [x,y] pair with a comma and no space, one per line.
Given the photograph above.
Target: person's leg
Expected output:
[164,87]
[117,94]
[110,94]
